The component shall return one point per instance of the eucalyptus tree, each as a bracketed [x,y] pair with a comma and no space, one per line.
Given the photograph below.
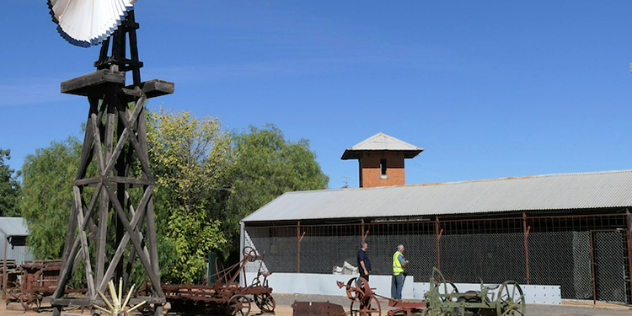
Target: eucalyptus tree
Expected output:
[46,195]
[266,165]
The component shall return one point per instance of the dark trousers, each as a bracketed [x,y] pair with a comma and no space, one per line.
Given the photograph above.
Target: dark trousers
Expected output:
[366,277]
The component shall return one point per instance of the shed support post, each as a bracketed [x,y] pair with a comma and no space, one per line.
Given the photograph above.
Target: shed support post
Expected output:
[299,238]
[629,243]
[362,224]
[439,234]
[526,230]
[4,269]
[364,233]
[242,245]
[592,268]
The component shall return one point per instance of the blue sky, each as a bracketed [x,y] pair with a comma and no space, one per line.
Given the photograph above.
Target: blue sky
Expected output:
[489,89]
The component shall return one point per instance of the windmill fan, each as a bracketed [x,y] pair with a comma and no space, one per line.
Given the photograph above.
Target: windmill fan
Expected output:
[88,22]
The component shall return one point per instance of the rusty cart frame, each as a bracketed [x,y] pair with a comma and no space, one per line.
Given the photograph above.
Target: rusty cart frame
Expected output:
[225,295]
[442,299]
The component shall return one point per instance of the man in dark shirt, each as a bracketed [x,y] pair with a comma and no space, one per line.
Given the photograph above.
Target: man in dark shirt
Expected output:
[364,264]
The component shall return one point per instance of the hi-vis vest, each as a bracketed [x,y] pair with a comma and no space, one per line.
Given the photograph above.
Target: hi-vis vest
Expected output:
[397,266]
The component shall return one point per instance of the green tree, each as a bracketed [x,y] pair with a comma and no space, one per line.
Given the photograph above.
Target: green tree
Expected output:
[47,195]
[189,158]
[265,166]
[9,187]
[206,182]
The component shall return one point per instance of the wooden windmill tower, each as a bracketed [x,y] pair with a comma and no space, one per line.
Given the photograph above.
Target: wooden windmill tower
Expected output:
[112,217]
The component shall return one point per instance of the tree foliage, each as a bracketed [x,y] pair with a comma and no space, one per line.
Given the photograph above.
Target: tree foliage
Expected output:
[9,187]
[189,157]
[265,166]
[47,195]
[207,180]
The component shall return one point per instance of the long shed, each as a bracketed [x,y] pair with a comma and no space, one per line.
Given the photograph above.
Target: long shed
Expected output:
[572,230]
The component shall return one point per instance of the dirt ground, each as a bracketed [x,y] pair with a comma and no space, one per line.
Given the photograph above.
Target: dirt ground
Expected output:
[284,307]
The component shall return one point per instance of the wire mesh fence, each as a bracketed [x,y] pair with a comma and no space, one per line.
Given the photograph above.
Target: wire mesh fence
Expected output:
[588,256]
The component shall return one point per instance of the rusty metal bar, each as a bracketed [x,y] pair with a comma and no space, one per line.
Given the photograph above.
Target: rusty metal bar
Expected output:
[362,231]
[526,244]
[438,233]
[298,246]
[592,265]
[4,269]
[364,234]
[629,242]
[299,238]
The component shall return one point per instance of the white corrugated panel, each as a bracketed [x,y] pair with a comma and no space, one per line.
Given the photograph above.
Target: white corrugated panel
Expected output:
[13,226]
[551,192]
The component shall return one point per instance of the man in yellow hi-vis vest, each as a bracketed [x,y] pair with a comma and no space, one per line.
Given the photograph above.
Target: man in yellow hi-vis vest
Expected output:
[399,262]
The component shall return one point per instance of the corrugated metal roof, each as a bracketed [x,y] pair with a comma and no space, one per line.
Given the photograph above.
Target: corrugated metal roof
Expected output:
[550,192]
[381,141]
[13,226]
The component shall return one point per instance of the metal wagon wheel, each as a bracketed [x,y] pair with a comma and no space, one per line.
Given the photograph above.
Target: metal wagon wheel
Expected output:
[265,302]
[369,308]
[510,300]
[443,287]
[239,305]
[353,291]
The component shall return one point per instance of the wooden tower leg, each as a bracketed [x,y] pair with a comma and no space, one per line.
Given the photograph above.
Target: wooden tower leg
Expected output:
[112,192]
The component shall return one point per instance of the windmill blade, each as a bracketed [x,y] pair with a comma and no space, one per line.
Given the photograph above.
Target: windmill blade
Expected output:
[88,22]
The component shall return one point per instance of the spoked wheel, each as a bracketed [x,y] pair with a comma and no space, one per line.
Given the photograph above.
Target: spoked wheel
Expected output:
[510,300]
[443,287]
[369,308]
[353,290]
[239,305]
[265,302]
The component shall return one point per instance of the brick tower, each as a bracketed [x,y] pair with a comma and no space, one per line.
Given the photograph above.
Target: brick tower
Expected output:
[381,160]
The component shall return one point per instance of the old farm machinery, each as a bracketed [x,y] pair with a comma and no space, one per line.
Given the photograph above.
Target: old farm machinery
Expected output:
[442,299]
[34,281]
[38,280]
[225,296]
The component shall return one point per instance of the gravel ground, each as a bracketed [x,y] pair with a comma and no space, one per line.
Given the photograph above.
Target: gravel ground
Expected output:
[568,307]
[284,307]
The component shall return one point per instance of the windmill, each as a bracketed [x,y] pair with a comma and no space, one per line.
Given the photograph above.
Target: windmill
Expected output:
[112,222]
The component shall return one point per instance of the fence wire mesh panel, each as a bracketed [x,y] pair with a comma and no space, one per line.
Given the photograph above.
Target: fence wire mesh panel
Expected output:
[561,258]
[530,250]
[610,272]
[491,250]
[418,240]
[493,258]
[278,245]
[325,248]
[559,252]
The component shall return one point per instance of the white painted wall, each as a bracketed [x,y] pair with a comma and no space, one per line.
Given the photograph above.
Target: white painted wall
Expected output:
[325,284]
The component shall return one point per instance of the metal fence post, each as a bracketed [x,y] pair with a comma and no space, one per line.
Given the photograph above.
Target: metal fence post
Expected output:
[629,242]
[526,230]
[592,267]
[299,238]
[438,233]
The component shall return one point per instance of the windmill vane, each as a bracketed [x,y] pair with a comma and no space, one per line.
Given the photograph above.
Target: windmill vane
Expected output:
[87,23]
